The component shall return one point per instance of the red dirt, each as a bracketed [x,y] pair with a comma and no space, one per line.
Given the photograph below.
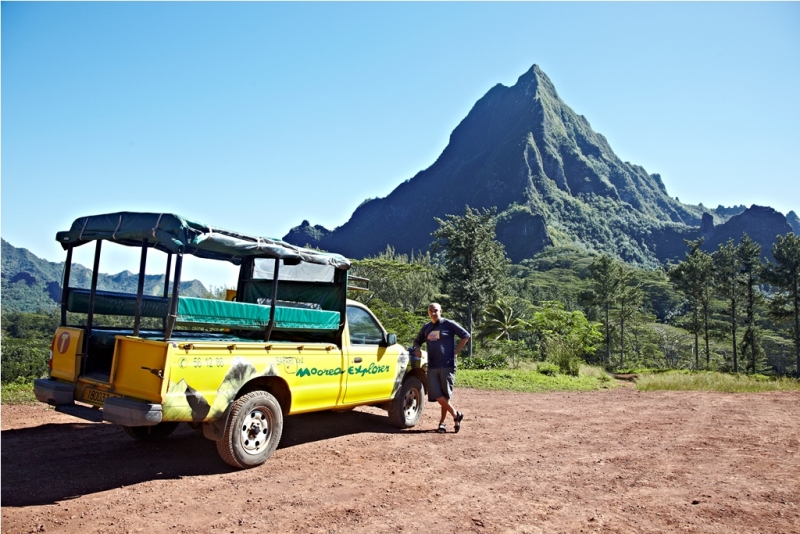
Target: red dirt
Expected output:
[607,461]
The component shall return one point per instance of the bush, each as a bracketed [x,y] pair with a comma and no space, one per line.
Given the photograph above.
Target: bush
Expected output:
[23,358]
[547,368]
[561,354]
[491,360]
[20,391]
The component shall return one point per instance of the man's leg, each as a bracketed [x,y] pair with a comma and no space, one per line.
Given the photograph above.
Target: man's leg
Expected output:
[444,402]
[446,407]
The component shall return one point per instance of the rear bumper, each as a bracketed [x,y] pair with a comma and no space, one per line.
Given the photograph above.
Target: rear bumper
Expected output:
[53,392]
[131,413]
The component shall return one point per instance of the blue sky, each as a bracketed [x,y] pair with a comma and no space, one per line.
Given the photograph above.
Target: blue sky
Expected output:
[256,116]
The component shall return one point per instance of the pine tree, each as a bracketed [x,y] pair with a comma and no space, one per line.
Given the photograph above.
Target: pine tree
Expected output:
[629,297]
[475,262]
[694,277]
[784,275]
[605,284]
[728,285]
[749,253]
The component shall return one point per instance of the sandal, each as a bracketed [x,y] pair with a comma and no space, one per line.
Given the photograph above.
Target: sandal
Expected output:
[442,428]
[459,416]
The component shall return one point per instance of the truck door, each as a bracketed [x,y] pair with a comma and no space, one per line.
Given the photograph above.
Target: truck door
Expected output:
[370,366]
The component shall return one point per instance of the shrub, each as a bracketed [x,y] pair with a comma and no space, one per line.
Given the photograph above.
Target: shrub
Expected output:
[547,368]
[22,358]
[563,355]
[489,360]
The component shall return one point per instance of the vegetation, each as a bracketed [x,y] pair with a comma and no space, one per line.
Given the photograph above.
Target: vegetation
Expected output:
[18,392]
[527,381]
[714,381]
[539,323]
[474,263]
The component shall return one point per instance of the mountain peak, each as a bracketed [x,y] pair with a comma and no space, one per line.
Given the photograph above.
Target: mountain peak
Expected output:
[551,177]
[532,82]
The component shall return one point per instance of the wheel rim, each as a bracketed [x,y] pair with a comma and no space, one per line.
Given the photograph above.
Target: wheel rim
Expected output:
[256,430]
[411,402]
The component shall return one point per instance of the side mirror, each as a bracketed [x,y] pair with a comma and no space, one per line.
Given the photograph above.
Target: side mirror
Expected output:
[391,339]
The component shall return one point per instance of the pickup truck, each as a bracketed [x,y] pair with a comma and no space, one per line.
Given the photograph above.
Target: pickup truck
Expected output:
[289,342]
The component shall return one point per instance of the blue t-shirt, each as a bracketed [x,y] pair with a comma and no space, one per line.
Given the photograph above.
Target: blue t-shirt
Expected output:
[441,341]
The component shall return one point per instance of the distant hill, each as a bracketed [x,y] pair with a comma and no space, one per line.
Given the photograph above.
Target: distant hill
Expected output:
[30,283]
[794,221]
[554,180]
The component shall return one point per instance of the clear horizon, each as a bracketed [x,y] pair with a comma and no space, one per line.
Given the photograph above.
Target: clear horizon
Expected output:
[256,116]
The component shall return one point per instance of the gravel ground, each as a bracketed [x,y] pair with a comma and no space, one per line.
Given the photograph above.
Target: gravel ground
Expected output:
[615,460]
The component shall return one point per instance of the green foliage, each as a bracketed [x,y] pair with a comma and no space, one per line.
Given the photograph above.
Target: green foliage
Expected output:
[502,320]
[784,275]
[547,368]
[525,381]
[398,321]
[694,277]
[410,283]
[712,381]
[564,332]
[22,358]
[750,255]
[22,325]
[562,355]
[474,262]
[513,352]
[486,359]
[728,285]
[20,391]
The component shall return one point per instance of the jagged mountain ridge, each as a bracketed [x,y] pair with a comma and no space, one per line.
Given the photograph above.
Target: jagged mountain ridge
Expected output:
[553,179]
[30,284]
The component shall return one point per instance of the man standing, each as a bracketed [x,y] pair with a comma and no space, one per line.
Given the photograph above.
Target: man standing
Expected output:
[440,334]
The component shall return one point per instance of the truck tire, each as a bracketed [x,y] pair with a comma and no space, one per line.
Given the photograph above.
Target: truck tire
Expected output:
[151,433]
[406,408]
[253,431]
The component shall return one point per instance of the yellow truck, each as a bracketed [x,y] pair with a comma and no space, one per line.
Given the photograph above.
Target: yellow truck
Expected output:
[289,342]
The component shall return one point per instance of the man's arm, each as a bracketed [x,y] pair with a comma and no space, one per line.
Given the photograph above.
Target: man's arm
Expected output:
[418,341]
[461,344]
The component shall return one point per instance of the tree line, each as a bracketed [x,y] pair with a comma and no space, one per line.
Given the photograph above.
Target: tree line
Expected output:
[742,312]
[728,310]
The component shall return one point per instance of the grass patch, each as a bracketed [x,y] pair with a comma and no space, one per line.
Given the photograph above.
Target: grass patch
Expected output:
[18,392]
[522,380]
[712,381]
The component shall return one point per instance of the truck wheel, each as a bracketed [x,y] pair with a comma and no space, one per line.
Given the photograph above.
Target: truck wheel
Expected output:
[253,431]
[406,408]
[151,433]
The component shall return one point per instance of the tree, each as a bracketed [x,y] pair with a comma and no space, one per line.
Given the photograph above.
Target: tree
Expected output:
[749,253]
[566,336]
[398,280]
[605,284]
[502,321]
[728,285]
[784,276]
[694,277]
[629,297]
[475,263]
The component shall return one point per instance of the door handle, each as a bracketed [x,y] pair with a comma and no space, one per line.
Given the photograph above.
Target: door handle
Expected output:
[356,360]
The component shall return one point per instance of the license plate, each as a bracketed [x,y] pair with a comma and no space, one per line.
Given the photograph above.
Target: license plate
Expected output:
[96,396]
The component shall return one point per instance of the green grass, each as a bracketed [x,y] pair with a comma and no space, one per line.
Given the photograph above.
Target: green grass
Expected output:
[711,381]
[524,380]
[19,392]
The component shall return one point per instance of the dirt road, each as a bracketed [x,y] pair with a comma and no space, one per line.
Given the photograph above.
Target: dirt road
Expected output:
[607,461]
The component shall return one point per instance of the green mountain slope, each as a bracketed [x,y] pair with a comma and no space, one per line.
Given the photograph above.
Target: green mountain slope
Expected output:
[29,283]
[554,180]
